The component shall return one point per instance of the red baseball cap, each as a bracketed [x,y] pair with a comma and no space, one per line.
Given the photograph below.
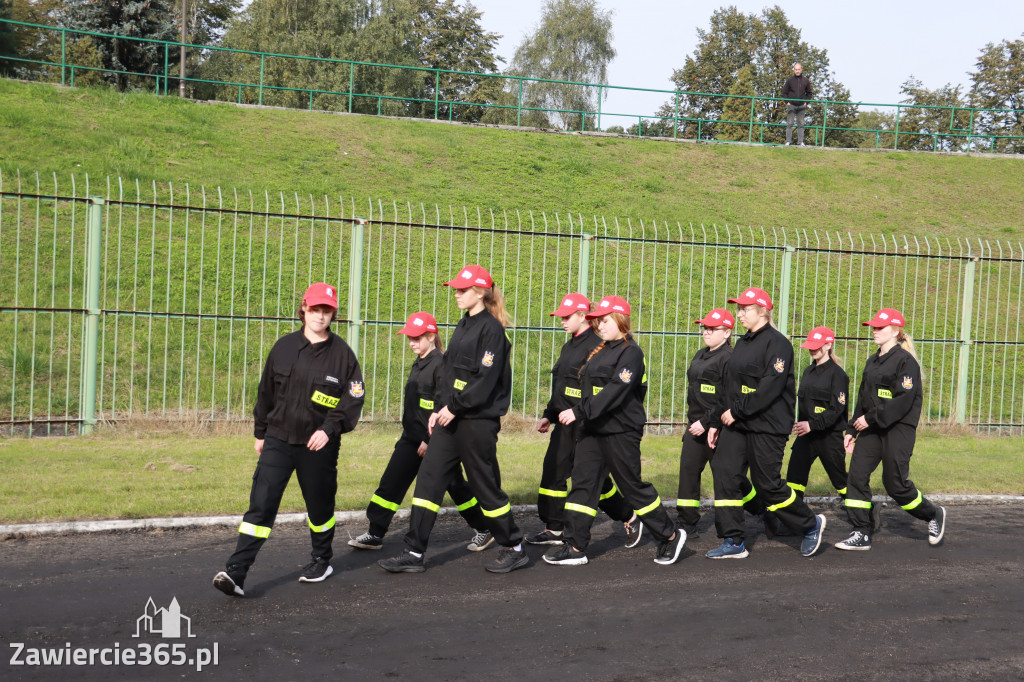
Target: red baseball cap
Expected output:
[419,324]
[753,296]
[471,276]
[321,294]
[818,337]
[885,317]
[572,303]
[610,304]
[718,317]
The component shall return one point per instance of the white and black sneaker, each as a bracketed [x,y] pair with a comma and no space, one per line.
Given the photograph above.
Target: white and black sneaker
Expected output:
[481,541]
[634,529]
[546,537]
[856,541]
[316,570]
[668,551]
[937,526]
[230,583]
[366,541]
[566,556]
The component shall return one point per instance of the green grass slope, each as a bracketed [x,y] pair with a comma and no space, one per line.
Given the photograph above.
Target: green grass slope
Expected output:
[46,129]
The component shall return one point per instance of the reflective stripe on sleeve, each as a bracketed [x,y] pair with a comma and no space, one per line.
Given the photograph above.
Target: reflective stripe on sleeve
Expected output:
[325,527]
[426,504]
[858,504]
[780,505]
[687,503]
[466,505]
[553,493]
[497,512]
[572,506]
[915,503]
[796,486]
[649,508]
[749,496]
[247,528]
[393,506]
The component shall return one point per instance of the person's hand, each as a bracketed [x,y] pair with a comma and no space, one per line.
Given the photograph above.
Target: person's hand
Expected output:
[317,440]
[861,423]
[566,417]
[848,442]
[258,446]
[422,449]
[445,416]
[543,424]
[727,418]
[712,437]
[431,421]
[802,428]
[696,428]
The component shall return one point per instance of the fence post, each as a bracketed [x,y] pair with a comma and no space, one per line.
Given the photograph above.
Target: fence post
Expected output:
[967,301]
[355,283]
[584,273]
[437,90]
[93,226]
[263,58]
[519,108]
[351,83]
[787,280]
[63,54]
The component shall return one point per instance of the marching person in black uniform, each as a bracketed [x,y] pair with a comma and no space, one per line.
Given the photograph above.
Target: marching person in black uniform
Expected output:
[705,385]
[310,393]
[759,399]
[565,393]
[420,397]
[613,384]
[475,391]
[821,415]
[883,430]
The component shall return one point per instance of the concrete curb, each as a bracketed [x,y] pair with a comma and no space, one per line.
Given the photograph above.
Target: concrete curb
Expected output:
[112,525]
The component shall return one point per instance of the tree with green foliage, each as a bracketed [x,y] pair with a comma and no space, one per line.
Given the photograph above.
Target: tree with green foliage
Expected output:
[924,127]
[736,109]
[573,42]
[998,83]
[205,24]
[768,45]
[124,59]
[25,42]
[8,46]
[375,31]
[448,36]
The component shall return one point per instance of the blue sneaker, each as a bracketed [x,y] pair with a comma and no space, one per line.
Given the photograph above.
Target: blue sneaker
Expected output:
[728,550]
[812,539]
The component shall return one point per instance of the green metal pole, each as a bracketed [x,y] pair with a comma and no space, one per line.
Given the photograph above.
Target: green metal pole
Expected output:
[584,263]
[94,224]
[437,90]
[787,283]
[351,83]
[600,89]
[355,283]
[675,119]
[63,54]
[167,62]
[824,124]
[896,137]
[750,126]
[519,109]
[967,301]
[263,59]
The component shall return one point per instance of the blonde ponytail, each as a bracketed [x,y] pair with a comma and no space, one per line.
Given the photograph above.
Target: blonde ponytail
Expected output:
[835,358]
[494,301]
[907,344]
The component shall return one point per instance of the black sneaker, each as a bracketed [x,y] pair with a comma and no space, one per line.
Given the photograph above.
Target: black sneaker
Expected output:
[545,537]
[509,559]
[230,582]
[856,541]
[876,516]
[937,526]
[634,529]
[406,562]
[366,541]
[481,541]
[316,570]
[669,550]
[566,556]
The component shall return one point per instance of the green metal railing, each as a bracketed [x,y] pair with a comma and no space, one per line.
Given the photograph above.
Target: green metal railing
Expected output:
[124,301]
[930,127]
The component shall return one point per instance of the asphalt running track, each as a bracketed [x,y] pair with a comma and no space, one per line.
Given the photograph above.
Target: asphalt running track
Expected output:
[902,611]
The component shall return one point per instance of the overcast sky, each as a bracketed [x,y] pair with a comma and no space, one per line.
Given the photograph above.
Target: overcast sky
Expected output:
[873,46]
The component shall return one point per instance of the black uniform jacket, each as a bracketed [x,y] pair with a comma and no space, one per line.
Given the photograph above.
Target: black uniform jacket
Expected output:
[476,381]
[706,387]
[796,88]
[821,400]
[614,385]
[890,391]
[759,385]
[421,396]
[565,376]
[308,387]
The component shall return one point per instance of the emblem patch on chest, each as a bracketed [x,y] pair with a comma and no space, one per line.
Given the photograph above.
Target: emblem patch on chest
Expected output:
[780,365]
[626,376]
[908,383]
[355,389]
[488,359]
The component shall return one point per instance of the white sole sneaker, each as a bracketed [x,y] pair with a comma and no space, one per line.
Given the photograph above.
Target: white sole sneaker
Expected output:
[679,548]
[304,579]
[578,561]
[223,582]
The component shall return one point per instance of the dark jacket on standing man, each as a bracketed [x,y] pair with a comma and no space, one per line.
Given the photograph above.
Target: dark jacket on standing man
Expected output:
[797,88]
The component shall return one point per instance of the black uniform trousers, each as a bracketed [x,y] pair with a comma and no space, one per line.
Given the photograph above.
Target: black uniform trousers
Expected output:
[824,445]
[397,479]
[893,449]
[474,444]
[317,472]
[595,458]
[554,488]
[692,460]
[762,453]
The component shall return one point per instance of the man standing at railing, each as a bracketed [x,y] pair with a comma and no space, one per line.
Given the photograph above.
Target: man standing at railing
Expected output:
[797,88]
